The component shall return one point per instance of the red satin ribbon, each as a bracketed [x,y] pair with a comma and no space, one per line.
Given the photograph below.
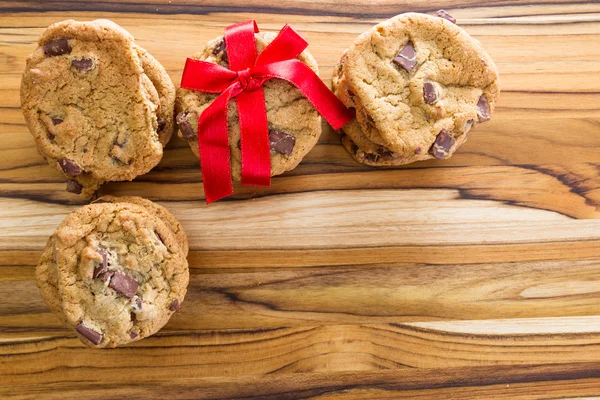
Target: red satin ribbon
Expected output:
[243,81]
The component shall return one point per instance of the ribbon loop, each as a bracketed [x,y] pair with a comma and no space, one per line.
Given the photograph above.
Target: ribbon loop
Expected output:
[243,81]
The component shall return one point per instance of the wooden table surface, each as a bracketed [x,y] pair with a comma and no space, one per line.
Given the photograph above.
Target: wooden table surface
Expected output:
[473,278]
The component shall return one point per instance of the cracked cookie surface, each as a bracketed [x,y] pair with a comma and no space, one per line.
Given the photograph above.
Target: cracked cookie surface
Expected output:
[294,124]
[418,84]
[97,104]
[115,272]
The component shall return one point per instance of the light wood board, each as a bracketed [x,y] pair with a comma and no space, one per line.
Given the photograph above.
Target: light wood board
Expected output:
[473,278]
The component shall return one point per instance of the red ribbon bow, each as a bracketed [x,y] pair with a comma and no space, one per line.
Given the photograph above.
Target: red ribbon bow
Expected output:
[249,71]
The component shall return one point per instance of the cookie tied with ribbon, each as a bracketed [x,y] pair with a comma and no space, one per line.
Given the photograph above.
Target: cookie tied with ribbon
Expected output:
[274,120]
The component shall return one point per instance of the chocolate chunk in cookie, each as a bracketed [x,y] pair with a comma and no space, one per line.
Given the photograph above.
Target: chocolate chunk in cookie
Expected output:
[123,284]
[429,94]
[103,267]
[444,14]
[281,142]
[84,64]
[407,57]
[386,154]
[483,109]
[185,127]
[221,49]
[89,334]
[160,124]
[442,145]
[73,186]
[57,47]
[174,305]
[70,167]
[56,120]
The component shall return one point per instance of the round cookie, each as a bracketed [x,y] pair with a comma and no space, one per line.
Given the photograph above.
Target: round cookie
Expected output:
[89,100]
[418,84]
[360,147]
[158,210]
[114,272]
[294,124]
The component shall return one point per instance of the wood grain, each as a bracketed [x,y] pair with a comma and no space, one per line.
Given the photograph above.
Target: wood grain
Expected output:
[473,278]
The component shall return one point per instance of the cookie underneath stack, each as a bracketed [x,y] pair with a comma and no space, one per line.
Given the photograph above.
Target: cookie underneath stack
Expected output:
[294,124]
[99,106]
[115,270]
[418,84]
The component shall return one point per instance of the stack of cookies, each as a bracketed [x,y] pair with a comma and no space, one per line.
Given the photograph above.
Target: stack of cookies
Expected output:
[418,83]
[115,270]
[294,124]
[99,106]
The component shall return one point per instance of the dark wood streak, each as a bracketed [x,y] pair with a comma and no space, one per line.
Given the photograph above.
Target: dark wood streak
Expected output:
[504,381]
[315,8]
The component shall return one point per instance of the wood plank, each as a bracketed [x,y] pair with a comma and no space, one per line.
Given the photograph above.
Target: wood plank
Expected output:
[572,382]
[358,295]
[58,356]
[330,219]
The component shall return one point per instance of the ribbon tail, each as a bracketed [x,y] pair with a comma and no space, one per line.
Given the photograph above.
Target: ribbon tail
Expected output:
[254,132]
[312,87]
[213,146]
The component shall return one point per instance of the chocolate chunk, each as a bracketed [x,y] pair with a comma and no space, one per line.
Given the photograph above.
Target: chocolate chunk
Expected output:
[56,120]
[185,127]
[50,136]
[89,334]
[407,57]
[386,154]
[444,14]
[161,124]
[342,62]
[160,239]
[133,335]
[73,186]
[468,126]
[123,284]
[174,305]
[442,145]
[281,142]
[57,47]
[372,157]
[106,276]
[85,64]
[221,49]
[484,109]
[70,167]
[138,303]
[103,267]
[418,150]
[429,94]
[133,317]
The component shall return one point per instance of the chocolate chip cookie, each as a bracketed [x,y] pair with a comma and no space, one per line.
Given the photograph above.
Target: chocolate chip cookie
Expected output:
[294,124]
[418,84]
[100,108]
[114,271]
